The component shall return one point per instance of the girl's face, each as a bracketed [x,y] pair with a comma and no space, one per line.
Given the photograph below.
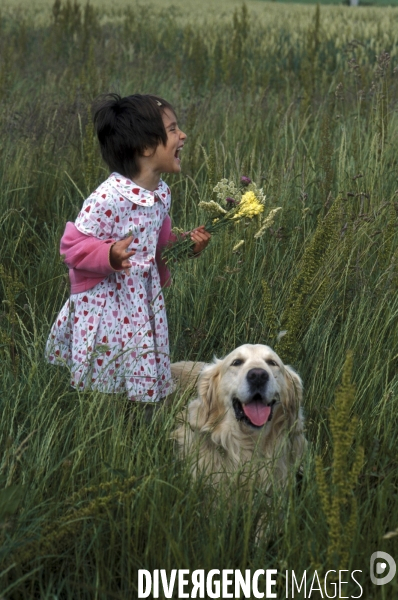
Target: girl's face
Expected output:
[166,159]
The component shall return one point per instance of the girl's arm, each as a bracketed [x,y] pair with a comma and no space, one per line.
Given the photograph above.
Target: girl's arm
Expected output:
[199,235]
[166,236]
[88,253]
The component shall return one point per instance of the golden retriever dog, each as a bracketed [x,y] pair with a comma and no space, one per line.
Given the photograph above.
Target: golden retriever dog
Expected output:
[246,419]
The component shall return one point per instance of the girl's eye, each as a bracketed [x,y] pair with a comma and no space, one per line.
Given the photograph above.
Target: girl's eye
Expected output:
[237,362]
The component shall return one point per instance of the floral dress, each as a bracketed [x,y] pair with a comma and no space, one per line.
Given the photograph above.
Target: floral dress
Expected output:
[114,336]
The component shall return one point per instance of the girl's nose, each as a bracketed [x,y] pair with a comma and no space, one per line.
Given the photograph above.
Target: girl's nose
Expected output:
[183,136]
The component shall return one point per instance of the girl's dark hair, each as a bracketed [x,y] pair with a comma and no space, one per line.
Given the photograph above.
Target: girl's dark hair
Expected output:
[126,127]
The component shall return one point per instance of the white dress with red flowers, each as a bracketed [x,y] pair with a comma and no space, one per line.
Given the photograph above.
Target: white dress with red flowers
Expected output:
[114,336]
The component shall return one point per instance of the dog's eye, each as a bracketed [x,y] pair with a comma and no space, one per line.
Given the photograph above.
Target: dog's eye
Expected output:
[237,362]
[271,362]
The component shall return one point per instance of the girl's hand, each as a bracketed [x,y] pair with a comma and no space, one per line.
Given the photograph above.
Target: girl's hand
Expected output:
[119,255]
[201,237]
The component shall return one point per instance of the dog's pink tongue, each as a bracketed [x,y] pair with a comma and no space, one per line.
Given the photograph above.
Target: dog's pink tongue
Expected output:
[257,412]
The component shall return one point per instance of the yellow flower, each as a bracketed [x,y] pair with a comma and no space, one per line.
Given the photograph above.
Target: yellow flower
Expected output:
[249,206]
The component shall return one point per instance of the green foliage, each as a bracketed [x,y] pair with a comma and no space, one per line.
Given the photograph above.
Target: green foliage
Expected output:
[338,501]
[10,500]
[307,293]
[292,101]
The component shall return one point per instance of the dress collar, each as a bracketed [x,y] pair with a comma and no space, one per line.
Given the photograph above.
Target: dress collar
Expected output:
[136,194]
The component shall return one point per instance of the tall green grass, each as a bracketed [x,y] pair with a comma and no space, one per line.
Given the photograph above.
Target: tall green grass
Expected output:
[86,499]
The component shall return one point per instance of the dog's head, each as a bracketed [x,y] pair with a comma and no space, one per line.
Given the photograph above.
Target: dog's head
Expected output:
[250,388]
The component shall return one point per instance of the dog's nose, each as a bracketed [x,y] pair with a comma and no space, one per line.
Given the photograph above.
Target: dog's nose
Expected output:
[257,377]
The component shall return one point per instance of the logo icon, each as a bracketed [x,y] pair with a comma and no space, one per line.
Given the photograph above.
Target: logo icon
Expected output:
[383,559]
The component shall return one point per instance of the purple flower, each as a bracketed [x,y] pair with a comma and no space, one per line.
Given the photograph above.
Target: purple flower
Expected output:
[231,202]
[245,180]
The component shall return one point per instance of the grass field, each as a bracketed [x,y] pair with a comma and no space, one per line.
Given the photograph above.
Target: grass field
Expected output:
[302,100]
[209,10]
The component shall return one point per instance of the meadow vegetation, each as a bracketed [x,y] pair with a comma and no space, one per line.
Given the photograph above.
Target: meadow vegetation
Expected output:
[303,101]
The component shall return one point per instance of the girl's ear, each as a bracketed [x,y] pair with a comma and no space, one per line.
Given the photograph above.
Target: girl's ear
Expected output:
[201,410]
[148,152]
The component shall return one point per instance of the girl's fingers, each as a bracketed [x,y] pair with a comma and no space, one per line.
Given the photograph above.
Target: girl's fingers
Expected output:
[124,253]
[119,254]
[124,244]
[199,237]
[125,263]
[202,231]
[127,241]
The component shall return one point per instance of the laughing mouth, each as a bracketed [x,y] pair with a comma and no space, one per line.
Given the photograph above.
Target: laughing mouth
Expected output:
[254,413]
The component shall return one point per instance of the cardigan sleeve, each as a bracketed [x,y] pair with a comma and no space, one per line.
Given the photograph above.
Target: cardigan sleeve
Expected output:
[166,236]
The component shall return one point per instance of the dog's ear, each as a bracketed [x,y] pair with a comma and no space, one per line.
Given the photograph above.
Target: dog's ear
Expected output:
[295,414]
[201,409]
[294,389]
[186,373]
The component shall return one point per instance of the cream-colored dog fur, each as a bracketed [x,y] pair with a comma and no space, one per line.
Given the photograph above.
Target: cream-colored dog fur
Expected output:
[215,429]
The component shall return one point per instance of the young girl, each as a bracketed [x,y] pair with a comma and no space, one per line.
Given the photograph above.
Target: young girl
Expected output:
[112,332]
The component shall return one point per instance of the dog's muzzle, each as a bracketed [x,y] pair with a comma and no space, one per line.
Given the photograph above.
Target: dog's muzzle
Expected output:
[256,409]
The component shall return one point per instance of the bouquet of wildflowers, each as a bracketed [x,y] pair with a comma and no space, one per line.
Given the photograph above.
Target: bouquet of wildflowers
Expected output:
[234,204]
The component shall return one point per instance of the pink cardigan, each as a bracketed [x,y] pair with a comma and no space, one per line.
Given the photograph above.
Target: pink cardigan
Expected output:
[87,257]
